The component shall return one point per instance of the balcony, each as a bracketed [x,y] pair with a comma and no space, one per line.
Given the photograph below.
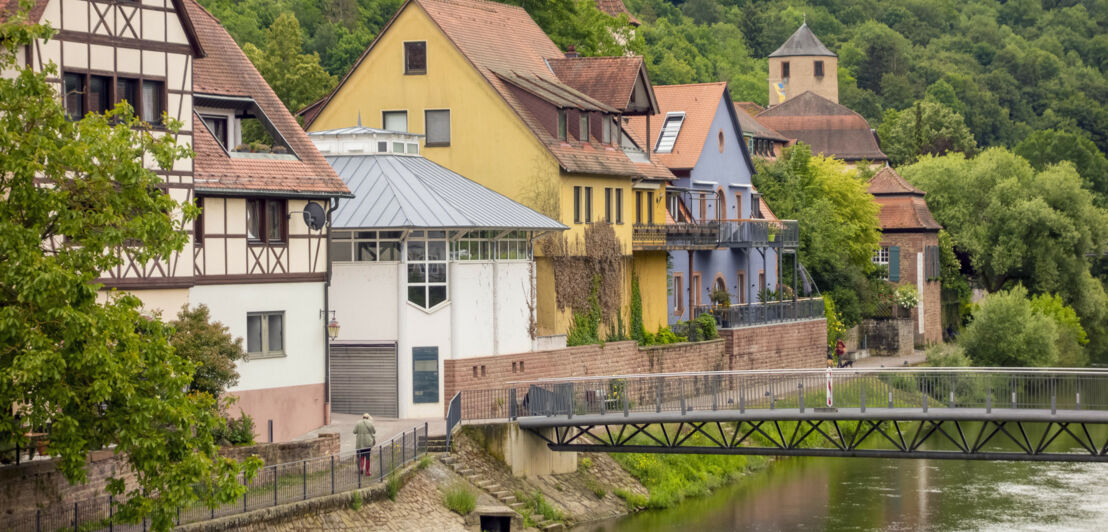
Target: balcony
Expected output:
[716,234]
[807,308]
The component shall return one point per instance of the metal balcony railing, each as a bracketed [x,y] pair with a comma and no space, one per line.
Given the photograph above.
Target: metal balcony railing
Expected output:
[714,234]
[761,313]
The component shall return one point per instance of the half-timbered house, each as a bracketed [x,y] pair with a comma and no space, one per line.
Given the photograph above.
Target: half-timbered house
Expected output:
[252,257]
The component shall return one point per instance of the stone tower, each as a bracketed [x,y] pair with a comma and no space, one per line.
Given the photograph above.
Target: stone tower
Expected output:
[801,65]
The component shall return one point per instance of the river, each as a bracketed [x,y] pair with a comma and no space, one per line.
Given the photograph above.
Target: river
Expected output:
[892,494]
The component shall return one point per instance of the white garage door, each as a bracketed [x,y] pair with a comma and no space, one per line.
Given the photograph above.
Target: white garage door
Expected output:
[363,379]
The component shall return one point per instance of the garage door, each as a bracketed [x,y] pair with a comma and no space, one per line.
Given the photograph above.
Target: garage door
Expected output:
[363,379]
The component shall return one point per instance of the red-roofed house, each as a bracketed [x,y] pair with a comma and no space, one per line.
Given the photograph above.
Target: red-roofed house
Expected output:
[910,248]
[498,102]
[252,259]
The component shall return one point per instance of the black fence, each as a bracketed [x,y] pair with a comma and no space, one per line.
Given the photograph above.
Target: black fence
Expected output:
[272,486]
[763,313]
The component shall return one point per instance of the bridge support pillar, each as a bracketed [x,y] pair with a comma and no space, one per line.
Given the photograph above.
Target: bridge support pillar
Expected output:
[526,454]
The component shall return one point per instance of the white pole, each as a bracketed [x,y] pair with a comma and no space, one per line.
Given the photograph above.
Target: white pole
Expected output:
[829,394]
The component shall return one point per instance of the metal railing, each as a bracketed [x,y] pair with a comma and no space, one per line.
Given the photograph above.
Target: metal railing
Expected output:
[453,416]
[711,234]
[785,233]
[902,388]
[272,486]
[761,313]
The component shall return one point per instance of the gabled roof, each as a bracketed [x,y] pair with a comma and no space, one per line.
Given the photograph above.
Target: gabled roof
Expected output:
[226,72]
[557,94]
[615,8]
[406,192]
[611,80]
[503,43]
[902,205]
[802,42]
[887,182]
[754,127]
[830,128]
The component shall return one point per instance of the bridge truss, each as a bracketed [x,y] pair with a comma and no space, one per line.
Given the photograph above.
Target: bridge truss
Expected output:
[1017,435]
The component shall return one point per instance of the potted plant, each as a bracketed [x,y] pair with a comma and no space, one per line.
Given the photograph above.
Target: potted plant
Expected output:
[720,297]
[771,232]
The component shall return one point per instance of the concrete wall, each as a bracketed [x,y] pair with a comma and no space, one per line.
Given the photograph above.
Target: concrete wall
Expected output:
[523,452]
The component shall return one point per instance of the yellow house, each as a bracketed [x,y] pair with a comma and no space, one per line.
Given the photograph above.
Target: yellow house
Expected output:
[498,102]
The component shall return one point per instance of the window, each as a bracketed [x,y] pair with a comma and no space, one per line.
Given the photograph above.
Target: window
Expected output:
[739,205]
[415,57]
[513,246]
[425,374]
[756,206]
[670,128]
[265,334]
[650,207]
[761,285]
[198,224]
[703,206]
[474,245]
[576,205]
[126,89]
[785,70]
[74,95]
[99,94]
[695,286]
[153,102]
[638,206]
[619,205]
[881,256]
[265,221]
[742,287]
[819,69]
[721,206]
[588,205]
[678,294]
[605,129]
[395,120]
[608,204]
[365,246]
[427,268]
[437,127]
[584,132]
[562,124]
[218,125]
[617,133]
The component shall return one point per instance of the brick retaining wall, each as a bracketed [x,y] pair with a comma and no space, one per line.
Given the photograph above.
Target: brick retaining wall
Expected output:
[784,345]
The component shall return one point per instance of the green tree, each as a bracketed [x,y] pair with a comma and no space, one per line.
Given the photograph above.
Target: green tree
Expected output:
[927,128]
[579,23]
[1008,331]
[297,78]
[1044,148]
[1071,336]
[839,230]
[210,347]
[76,200]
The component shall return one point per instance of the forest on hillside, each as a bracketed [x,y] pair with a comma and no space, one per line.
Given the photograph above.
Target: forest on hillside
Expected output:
[975,101]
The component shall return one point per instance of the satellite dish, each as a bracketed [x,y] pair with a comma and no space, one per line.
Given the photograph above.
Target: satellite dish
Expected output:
[314,216]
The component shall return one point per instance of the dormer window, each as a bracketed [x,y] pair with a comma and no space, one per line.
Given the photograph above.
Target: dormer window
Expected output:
[562,126]
[584,132]
[670,128]
[415,57]
[218,124]
[240,126]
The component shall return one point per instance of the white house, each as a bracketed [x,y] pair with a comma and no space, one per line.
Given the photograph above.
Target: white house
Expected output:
[426,266]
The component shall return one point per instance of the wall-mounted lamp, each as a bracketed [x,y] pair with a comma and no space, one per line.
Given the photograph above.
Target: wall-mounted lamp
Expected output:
[332,326]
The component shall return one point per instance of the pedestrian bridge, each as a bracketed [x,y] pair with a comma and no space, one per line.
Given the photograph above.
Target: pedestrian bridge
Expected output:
[1048,414]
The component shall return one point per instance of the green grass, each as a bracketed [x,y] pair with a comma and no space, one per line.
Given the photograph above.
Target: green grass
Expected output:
[595,487]
[459,499]
[535,505]
[634,500]
[356,501]
[424,462]
[392,487]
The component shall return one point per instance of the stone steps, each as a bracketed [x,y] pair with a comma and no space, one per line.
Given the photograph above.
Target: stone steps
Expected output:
[506,497]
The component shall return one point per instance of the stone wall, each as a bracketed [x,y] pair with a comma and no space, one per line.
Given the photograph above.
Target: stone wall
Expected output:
[910,244]
[39,483]
[785,345]
[888,338]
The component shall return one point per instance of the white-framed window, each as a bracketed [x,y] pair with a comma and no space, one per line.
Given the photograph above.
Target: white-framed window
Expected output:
[395,121]
[881,258]
[365,246]
[670,128]
[513,246]
[474,245]
[265,334]
[427,267]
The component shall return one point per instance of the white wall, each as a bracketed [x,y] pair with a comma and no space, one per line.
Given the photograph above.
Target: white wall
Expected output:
[305,330]
[421,328]
[364,298]
[491,318]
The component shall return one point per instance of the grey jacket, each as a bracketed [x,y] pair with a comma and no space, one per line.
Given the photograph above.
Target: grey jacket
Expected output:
[366,434]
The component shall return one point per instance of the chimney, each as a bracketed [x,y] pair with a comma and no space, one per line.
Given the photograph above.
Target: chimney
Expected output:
[572,51]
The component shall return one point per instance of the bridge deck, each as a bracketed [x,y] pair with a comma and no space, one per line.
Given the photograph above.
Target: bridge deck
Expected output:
[841,414]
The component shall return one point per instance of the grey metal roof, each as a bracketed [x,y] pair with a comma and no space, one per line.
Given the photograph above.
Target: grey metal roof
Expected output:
[802,42]
[405,192]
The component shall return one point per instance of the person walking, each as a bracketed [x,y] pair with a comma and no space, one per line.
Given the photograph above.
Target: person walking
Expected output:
[365,439]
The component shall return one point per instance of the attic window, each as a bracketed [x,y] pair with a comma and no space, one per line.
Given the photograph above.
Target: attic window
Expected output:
[785,70]
[415,57]
[670,129]
[819,69]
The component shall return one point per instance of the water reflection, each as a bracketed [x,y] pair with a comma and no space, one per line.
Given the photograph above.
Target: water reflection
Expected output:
[893,494]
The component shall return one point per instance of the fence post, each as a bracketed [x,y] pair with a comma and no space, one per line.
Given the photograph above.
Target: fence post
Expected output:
[274,486]
[38,520]
[512,404]
[863,399]
[427,436]
[715,393]
[111,513]
[1053,402]
[244,492]
[890,399]
[332,474]
[178,517]
[924,401]
[304,478]
[1079,399]
[989,401]
[951,398]
[658,396]
[75,519]
[381,463]
[403,447]
[626,401]
[800,395]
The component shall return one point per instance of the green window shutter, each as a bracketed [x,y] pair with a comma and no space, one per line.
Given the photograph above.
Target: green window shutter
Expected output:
[894,263]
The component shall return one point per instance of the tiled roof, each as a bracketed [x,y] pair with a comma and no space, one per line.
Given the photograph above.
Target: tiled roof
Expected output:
[754,127]
[905,212]
[802,42]
[608,79]
[9,7]
[829,128]
[615,8]
[226,71]
[699,102]
[889,183]
[560,95]
[407,192]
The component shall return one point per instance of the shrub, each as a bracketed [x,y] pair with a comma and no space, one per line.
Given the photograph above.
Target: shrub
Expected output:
[948,356]
[585,464]
[638,333]
[235,431]
[835,329]
[459,499]
[585,329]
[210,346]
[706,327]
[1071,336]
[906,296]
[392,487]
[1008,331]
